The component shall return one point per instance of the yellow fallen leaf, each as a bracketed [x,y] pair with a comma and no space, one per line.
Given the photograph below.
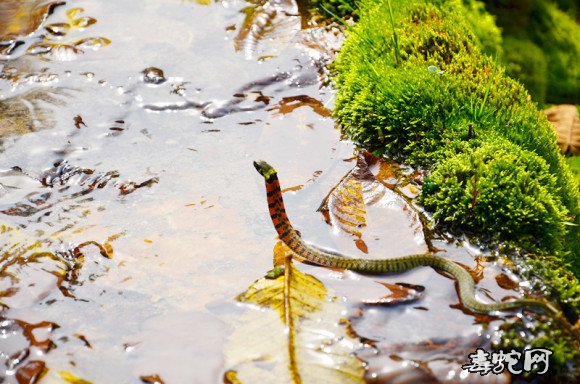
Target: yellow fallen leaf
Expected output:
[296,337]
[72,379]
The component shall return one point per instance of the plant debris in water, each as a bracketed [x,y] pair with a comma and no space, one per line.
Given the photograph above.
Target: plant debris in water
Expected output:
[290,343]
[130,215]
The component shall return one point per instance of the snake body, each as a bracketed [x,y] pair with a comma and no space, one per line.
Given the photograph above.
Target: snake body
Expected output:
[316,255]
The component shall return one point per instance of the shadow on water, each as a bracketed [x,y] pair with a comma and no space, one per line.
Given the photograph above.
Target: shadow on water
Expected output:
[131,214]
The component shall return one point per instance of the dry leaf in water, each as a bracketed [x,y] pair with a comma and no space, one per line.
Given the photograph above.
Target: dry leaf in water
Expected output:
[430,361]
[23,257]
[19,18]
[267,27]
[30,111]
[398,293]
[31,372]
[297,340]
[505,282]
[72,379]
[289,104]
[346,207]
[152,379]
[281,253]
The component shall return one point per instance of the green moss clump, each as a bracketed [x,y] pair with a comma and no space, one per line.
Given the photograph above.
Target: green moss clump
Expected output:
[555,32]
[559,35]
[415,84]
[483,26]
[564,347]
[498,188]
[560,283]
[334,8]
[526,62]
[418,87]
[571,7]
[574,163]
[564,287]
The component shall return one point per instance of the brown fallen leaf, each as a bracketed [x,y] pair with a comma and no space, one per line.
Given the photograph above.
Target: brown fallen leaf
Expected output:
[130,187]
[289,104]
[20,18]
[476,272]
[152,379]
[399,293]
[267,26]
[84,339]
[28,332]
[78,121]
[505,282]
[567,125]
[345,207]
[31,372]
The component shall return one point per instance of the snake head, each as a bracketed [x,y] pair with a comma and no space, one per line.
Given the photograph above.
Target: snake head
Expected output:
[264,169]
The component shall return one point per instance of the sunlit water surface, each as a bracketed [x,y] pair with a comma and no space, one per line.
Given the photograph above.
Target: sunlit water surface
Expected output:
[142,151]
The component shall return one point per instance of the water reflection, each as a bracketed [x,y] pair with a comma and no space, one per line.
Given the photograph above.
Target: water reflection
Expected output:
[172,195]
[135,217]
[21,20]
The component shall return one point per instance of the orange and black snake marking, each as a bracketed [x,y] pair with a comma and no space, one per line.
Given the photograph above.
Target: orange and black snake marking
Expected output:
[319,256]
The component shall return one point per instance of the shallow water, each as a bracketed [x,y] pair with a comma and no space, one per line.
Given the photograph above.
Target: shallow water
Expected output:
[132,173]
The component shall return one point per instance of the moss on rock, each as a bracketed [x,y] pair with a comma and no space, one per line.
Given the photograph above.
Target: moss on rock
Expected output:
[564,347]
[483,26]
[334,8]
[501,189]
[414,83]
[526,62]
[574,163]
[554,32]
[419,88]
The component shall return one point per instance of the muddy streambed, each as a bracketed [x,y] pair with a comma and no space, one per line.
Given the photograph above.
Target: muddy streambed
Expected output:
[131,215]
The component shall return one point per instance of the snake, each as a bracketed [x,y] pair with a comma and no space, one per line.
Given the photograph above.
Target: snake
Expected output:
[319,256]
